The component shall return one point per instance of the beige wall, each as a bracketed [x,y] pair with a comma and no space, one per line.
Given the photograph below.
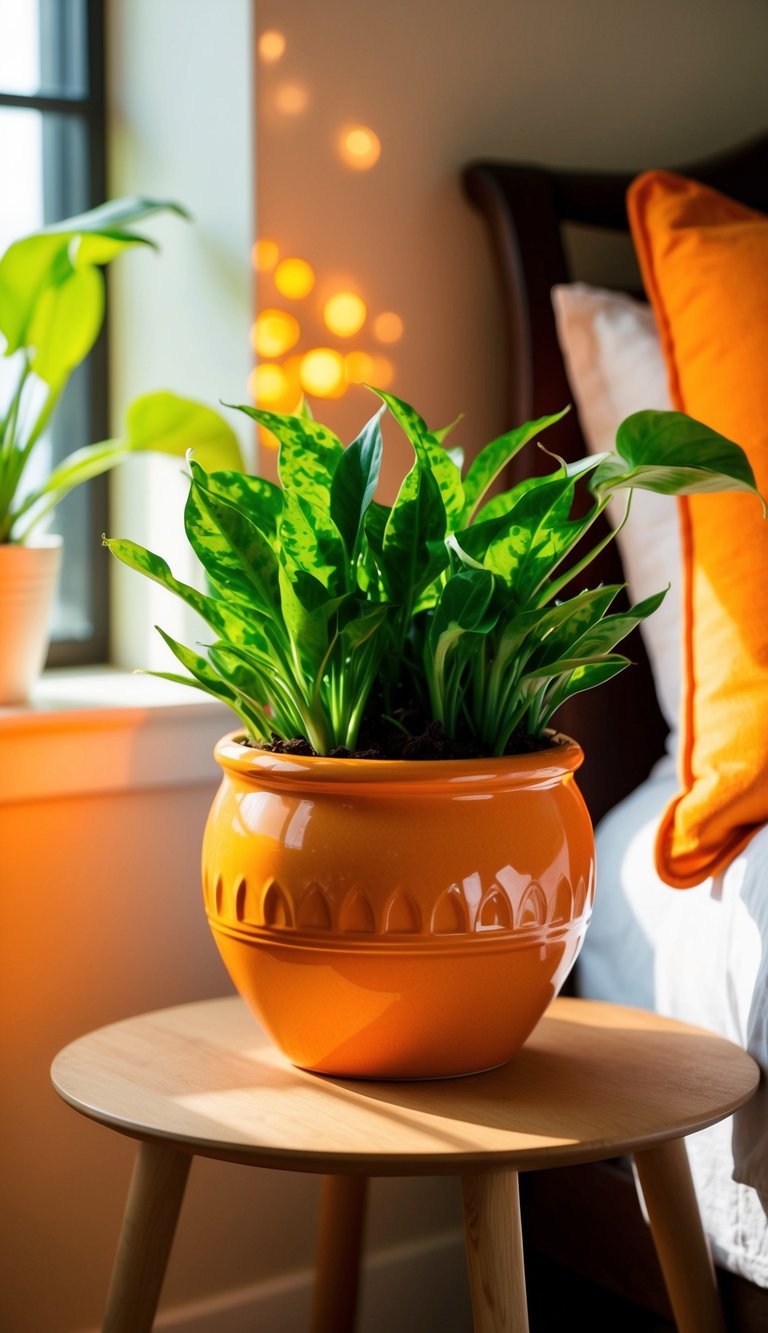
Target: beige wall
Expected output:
[603,83]
[180,96]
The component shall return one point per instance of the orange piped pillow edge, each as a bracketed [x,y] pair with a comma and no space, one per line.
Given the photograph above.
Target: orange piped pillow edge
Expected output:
[670,217]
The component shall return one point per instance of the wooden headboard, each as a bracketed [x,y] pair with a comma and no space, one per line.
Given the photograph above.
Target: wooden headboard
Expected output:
[526,208]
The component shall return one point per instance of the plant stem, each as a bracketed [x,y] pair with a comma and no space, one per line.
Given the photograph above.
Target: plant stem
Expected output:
[9,473]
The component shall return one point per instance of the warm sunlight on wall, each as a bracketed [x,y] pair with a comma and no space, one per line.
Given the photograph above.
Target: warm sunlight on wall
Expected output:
[364,182]
[317,331]
[359,147]
[325,371]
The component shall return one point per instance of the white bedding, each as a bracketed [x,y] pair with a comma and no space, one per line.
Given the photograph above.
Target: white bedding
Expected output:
[700,955]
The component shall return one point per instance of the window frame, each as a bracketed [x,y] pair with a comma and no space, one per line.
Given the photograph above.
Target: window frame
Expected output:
[89,108]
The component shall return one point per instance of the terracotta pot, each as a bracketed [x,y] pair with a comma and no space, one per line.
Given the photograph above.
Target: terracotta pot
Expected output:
[28,577]
[398,919]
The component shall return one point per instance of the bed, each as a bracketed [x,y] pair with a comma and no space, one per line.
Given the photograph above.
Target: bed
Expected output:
[699,954]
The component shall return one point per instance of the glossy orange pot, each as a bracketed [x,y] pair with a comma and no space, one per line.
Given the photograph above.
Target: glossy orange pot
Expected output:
[398,919]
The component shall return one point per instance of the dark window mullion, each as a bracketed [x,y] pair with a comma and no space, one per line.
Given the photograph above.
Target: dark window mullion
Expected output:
[60,176]
[72,54]
[61,106]
[98,362]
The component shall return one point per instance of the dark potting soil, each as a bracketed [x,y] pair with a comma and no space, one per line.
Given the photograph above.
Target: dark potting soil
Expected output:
[393,743]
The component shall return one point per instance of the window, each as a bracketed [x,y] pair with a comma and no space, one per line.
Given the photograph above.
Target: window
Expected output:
[52,165]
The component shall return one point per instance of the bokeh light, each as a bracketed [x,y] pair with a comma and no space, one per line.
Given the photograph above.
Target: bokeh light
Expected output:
[291,98]
[359,147]
[275,332]
[294,278]
[382,372]
[268,386]
[264,255]
[322,373]
[271,46]
[388,327]
[344,313]
[291,367]
[358,367]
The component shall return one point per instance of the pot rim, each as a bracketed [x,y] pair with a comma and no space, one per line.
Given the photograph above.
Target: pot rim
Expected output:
[44,541]
[536,768]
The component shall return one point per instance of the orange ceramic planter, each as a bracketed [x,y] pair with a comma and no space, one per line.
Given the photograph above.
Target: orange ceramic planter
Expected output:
[398,919]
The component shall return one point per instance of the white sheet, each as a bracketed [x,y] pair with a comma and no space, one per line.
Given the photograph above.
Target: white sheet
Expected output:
[700,955]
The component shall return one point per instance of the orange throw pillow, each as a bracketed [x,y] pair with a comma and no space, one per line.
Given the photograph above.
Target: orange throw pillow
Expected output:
[704,260]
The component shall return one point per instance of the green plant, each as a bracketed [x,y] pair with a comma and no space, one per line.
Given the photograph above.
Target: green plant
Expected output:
[332,611]
[51,312]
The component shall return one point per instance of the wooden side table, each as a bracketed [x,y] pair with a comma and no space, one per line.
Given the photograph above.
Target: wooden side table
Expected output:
[593,1081]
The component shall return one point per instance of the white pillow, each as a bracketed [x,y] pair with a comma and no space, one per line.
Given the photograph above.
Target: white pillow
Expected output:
[615,367]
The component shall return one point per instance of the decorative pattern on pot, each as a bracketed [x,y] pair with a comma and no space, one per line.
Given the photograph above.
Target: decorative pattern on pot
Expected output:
[398,919]
[333,909]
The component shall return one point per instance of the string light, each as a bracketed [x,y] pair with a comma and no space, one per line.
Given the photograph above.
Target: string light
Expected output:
[322,373]
[264,255]
[268,385]
[360,147]
[358,368]
[294,278]
[291,98]
[388,327]
[344,314]
[382,372]
[271,46]
[275,332]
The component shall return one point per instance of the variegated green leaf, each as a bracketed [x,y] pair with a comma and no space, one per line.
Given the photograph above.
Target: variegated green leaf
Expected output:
[374,526]
[502,504]
[431,454]
[672,453]
[534,536]
[465,604]
[246,557]
[222,617]
[311,541]
[563,627]
[200,668]
[260,500]
[602,636]
[304,610]
[585,677]
[253,685]
[460,615]
[224,570]
[309,453]
[441,434]
[575,666]
[354,483]
[368,620]
[412,553]
[256,677]
[485,468]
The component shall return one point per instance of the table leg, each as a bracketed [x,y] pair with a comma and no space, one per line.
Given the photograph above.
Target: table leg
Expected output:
[665,1180]
[149,1222]
[339,1250]
[494,1243]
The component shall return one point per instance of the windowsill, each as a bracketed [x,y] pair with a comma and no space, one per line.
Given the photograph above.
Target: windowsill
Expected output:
[98,730]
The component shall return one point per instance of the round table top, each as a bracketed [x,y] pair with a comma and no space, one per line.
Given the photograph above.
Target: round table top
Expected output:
[594,1080]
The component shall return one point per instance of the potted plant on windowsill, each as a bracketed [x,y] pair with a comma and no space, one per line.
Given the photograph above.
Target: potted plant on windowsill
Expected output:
[398,867]
[51,312]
